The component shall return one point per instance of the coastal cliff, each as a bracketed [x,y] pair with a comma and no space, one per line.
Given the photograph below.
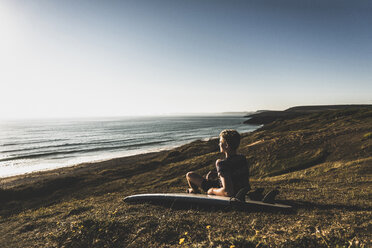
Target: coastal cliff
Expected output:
[319,160]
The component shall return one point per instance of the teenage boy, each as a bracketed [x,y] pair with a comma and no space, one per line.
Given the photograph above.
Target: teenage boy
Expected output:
[233,171]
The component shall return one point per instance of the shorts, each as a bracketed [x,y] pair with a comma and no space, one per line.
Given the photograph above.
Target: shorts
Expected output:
[207,184]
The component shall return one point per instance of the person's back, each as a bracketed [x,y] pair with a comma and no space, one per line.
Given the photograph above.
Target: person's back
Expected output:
[237,169]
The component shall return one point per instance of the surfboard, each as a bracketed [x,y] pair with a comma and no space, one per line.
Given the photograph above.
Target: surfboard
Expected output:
[202,199]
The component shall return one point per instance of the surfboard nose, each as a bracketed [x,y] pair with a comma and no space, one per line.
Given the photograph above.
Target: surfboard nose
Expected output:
[131,198]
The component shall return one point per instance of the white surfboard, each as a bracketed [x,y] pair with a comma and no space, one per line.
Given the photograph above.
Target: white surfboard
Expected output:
[200,199]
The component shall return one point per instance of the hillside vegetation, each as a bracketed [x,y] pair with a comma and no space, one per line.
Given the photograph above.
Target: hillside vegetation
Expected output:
[320,161]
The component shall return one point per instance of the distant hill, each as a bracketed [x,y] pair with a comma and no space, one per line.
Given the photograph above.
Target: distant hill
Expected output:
[238,113]
[265,117]
[317,108]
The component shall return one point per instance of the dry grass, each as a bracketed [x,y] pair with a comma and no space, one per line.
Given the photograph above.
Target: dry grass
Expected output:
[320,162]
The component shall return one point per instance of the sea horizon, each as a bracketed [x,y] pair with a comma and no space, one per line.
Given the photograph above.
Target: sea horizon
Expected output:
[98,117]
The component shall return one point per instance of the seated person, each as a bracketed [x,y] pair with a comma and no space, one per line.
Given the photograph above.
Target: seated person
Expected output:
[232,171]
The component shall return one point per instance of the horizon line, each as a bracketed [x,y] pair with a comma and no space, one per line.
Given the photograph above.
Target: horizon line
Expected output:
[125,116]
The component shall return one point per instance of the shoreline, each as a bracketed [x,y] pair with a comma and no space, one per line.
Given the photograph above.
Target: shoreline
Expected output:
[93,166]
[15,167]
[31,177]
[95,161]
[83,167]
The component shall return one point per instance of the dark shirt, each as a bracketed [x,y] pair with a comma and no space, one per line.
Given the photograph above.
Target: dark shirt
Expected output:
[237,168]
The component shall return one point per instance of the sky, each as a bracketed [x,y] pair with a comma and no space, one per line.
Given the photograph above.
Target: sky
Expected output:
[77,58]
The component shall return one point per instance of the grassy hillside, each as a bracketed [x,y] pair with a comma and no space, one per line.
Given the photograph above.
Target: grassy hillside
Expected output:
[268,116]
[321,162]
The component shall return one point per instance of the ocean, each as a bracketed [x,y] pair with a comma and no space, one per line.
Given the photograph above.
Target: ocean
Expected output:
[28,146]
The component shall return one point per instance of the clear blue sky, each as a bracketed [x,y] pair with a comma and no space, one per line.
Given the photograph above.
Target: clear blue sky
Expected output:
[110,58]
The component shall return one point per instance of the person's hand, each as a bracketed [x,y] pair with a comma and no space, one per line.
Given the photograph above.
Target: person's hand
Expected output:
[211,175]
[208,175]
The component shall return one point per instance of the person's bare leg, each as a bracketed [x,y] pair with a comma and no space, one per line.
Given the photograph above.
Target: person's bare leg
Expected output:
[195,181]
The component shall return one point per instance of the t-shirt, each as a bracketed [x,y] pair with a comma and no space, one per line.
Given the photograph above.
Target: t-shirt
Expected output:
[237,168]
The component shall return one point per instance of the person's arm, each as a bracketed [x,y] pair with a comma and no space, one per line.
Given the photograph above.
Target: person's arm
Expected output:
[225,190]
[212,175]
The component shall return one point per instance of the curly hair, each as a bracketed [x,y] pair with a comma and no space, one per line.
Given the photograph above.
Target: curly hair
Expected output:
[232,138]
